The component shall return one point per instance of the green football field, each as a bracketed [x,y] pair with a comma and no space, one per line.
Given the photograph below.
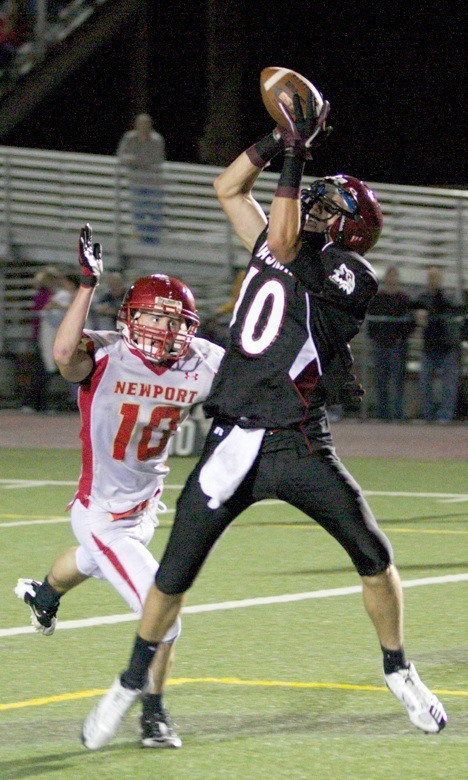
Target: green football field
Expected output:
[281,677]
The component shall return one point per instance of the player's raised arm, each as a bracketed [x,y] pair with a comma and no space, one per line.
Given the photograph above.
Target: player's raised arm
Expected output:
[73,363]
[234,188]
[284,231]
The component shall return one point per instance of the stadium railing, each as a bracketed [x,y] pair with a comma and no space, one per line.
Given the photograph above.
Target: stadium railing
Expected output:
[46,196]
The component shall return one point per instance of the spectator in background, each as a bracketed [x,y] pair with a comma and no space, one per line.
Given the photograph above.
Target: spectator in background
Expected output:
[52,313]
[216,327]
[390,323]
[36,395]
[108,304]
[71,282]
[141,153]
[441,320]
[63,289]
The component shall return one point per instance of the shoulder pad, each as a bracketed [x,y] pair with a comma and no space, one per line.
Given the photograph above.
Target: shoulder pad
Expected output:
[337,254]
[347,271]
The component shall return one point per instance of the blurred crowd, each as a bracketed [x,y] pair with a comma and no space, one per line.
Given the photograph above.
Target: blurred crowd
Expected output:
[43,389]
[392,318]
[32,26]
[432,316]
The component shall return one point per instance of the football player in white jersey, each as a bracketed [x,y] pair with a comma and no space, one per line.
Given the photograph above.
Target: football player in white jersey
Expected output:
[137,384]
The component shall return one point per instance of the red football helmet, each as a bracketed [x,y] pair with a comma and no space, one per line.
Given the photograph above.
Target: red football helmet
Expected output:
[360,223]
[160,296]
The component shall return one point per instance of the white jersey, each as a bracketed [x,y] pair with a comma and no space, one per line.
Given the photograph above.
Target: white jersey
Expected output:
[129,408]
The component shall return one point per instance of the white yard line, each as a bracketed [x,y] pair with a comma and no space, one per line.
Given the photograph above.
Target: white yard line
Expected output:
[441,498]
[445,497]
[15,484]
[67,625]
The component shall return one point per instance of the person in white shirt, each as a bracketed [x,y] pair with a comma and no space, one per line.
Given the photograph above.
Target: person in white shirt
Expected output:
[137,384]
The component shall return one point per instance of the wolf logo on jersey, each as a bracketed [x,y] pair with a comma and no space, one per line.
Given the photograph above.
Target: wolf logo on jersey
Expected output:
[344,278]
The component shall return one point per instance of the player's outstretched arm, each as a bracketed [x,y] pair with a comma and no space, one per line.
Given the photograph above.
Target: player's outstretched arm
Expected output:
[284,231]
[234,190]
[72,362]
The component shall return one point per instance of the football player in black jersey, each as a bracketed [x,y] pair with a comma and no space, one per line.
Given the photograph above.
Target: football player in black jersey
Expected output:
[304,296]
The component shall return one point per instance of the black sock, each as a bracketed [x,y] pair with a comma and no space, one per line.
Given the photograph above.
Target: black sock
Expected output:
[140,661]
[152,702]
[47,597]
[394,660]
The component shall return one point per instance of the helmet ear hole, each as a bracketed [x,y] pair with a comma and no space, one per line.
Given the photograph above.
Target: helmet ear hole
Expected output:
[338,229]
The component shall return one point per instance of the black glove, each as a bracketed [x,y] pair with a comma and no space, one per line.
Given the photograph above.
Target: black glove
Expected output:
[351,394]
[90,258]
[301,129]
[264,150]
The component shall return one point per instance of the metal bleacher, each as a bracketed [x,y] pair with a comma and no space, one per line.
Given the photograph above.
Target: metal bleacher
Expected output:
[46,196]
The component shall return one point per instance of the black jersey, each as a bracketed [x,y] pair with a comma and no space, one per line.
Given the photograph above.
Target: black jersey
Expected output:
[289,332]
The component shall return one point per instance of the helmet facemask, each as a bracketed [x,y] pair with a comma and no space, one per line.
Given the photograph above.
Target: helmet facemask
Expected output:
[322,191]
[155,343]
[355,223]
[158,296]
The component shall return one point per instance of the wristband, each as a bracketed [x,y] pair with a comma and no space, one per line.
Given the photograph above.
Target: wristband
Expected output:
[289,185]
[88,281]
[264,150]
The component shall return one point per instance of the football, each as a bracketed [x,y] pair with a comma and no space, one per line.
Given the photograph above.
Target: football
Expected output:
[279,85]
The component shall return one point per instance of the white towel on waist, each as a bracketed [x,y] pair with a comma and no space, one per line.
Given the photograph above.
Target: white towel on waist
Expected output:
[229,463]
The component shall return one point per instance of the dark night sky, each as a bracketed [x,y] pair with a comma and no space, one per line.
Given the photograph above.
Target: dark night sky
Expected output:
[395,80]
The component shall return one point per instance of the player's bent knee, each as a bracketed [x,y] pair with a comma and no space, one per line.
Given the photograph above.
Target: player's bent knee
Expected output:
[374,556]
[172,581]
[373,566]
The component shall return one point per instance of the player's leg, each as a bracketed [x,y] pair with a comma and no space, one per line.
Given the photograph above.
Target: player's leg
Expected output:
[157,729]
[70,568]
[65,574]
[321,487]
[195,530]
[116,551]
[132,580]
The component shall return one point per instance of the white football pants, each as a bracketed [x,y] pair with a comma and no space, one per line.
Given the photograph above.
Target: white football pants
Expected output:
[116,551]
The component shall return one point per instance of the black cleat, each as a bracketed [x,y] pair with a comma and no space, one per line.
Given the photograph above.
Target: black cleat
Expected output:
[43,620]
[157,731]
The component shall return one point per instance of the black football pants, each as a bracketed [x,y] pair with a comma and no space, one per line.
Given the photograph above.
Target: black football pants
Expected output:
[316,482]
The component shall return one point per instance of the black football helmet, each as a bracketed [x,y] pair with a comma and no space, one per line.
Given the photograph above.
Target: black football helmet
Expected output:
[360,220]
[159,295]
